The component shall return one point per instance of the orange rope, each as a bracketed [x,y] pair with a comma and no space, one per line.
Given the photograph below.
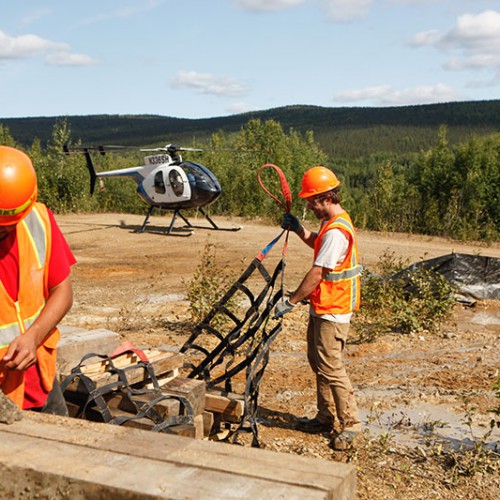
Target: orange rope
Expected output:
[285,188]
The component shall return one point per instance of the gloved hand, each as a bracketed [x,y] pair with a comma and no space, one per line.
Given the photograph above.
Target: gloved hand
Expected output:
[291,222]
[282,308]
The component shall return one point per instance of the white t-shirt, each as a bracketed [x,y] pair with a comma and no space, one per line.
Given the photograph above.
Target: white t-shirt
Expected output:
[333,251]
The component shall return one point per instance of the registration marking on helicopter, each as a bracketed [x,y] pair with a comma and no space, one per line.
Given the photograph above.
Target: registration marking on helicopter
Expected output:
[157,159]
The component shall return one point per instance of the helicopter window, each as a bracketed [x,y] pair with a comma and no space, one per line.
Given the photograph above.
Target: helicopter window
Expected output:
[159,183]
[175,180]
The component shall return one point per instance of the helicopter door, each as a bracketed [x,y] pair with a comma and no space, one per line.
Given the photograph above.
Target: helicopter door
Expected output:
[159,183]
[169,185]
[175,181]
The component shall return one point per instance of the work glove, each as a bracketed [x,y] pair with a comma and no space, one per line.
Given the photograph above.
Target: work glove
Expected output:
[291,222]
[282,308]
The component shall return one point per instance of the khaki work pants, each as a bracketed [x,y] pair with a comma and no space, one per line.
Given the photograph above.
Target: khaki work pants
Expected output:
[335,396]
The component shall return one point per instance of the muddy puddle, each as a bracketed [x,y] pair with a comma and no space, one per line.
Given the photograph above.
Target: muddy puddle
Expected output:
[428,424]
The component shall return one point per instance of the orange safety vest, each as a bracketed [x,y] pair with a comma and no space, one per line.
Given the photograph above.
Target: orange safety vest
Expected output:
[339,292]
[34,238]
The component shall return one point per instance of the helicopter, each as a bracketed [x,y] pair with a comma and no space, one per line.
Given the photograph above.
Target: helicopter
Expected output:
[165,181]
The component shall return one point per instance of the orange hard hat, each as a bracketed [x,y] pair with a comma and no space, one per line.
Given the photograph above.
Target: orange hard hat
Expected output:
[18,188]
[318,180]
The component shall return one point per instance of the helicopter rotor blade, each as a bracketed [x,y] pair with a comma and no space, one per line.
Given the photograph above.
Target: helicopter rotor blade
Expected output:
[170,148]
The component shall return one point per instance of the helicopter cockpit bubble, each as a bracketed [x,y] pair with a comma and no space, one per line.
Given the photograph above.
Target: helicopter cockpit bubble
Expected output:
[205,187]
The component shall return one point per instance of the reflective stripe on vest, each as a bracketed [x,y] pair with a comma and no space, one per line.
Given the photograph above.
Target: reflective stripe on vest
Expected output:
[339,290]
[355,269]
[9,332]
[344,275]
[38,238]
[37,235]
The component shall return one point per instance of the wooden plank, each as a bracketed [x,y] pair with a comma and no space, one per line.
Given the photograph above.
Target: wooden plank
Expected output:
[161,380]
[208,423]
[99,366]
[228,404]
[192,389]
[60,470]
[75,343]
[162,363]
[107,458]
[124,408]
[182,430]
[143,423]
[169,407]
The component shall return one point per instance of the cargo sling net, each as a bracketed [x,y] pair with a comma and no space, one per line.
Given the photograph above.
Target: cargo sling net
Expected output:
[220,354]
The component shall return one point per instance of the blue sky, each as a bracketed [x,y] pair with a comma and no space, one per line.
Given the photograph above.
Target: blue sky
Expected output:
[207,58]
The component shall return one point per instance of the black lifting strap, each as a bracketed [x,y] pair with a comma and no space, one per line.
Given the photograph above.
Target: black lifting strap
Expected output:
[95,394]
[249,334]
[122,385]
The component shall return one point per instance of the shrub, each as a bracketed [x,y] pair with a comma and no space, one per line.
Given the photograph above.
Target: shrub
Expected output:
[208,285]
[408,301]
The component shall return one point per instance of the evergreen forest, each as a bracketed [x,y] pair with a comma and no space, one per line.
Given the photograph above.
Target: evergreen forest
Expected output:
[418,169]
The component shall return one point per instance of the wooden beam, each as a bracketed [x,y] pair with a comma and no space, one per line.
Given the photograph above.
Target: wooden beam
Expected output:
[230,406]
[46,455]
[192,389]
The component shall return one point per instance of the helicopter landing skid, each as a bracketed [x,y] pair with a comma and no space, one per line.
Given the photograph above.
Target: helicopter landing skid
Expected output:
[188,224]
[213,224]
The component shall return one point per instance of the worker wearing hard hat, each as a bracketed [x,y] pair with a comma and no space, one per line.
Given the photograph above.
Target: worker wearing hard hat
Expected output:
[35,288]
[332,286]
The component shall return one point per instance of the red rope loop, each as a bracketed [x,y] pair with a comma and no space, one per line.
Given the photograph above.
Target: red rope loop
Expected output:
[285,188]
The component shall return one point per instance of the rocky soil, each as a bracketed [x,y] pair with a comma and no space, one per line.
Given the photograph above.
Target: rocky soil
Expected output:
[424,398]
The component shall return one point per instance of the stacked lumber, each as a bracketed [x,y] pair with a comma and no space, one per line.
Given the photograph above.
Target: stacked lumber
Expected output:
[214,412]
[177,396]
[223,410]
[166,365]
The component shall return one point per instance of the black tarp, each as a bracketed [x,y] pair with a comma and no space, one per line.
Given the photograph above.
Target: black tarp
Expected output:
[476,277]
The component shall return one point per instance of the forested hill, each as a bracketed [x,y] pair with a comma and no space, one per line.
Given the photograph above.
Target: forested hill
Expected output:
[342,132]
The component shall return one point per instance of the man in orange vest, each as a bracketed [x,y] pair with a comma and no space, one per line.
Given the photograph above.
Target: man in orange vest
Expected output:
[332,286]
[35,288]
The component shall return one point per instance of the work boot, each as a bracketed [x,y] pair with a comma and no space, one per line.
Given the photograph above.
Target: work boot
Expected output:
[314,425]
[344,440]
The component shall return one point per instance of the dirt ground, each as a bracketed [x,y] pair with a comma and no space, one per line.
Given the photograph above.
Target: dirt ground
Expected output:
[424,398]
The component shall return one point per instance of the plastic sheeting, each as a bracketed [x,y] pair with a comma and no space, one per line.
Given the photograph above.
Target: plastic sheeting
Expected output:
[475,277]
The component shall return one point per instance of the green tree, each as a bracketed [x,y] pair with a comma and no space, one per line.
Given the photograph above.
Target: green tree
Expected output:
[5,138]
[237,158]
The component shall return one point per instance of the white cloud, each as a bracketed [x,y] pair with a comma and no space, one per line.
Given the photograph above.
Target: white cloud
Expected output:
[482,84]
[430,37]
[206,83]
[36,15]
[346,10]
[478,61]
[415,2]
[475,32]
[267,5]
[474,41]
[239,107]
[385,95]
[68,59]
[336,10]
[124,12]
[24,46]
